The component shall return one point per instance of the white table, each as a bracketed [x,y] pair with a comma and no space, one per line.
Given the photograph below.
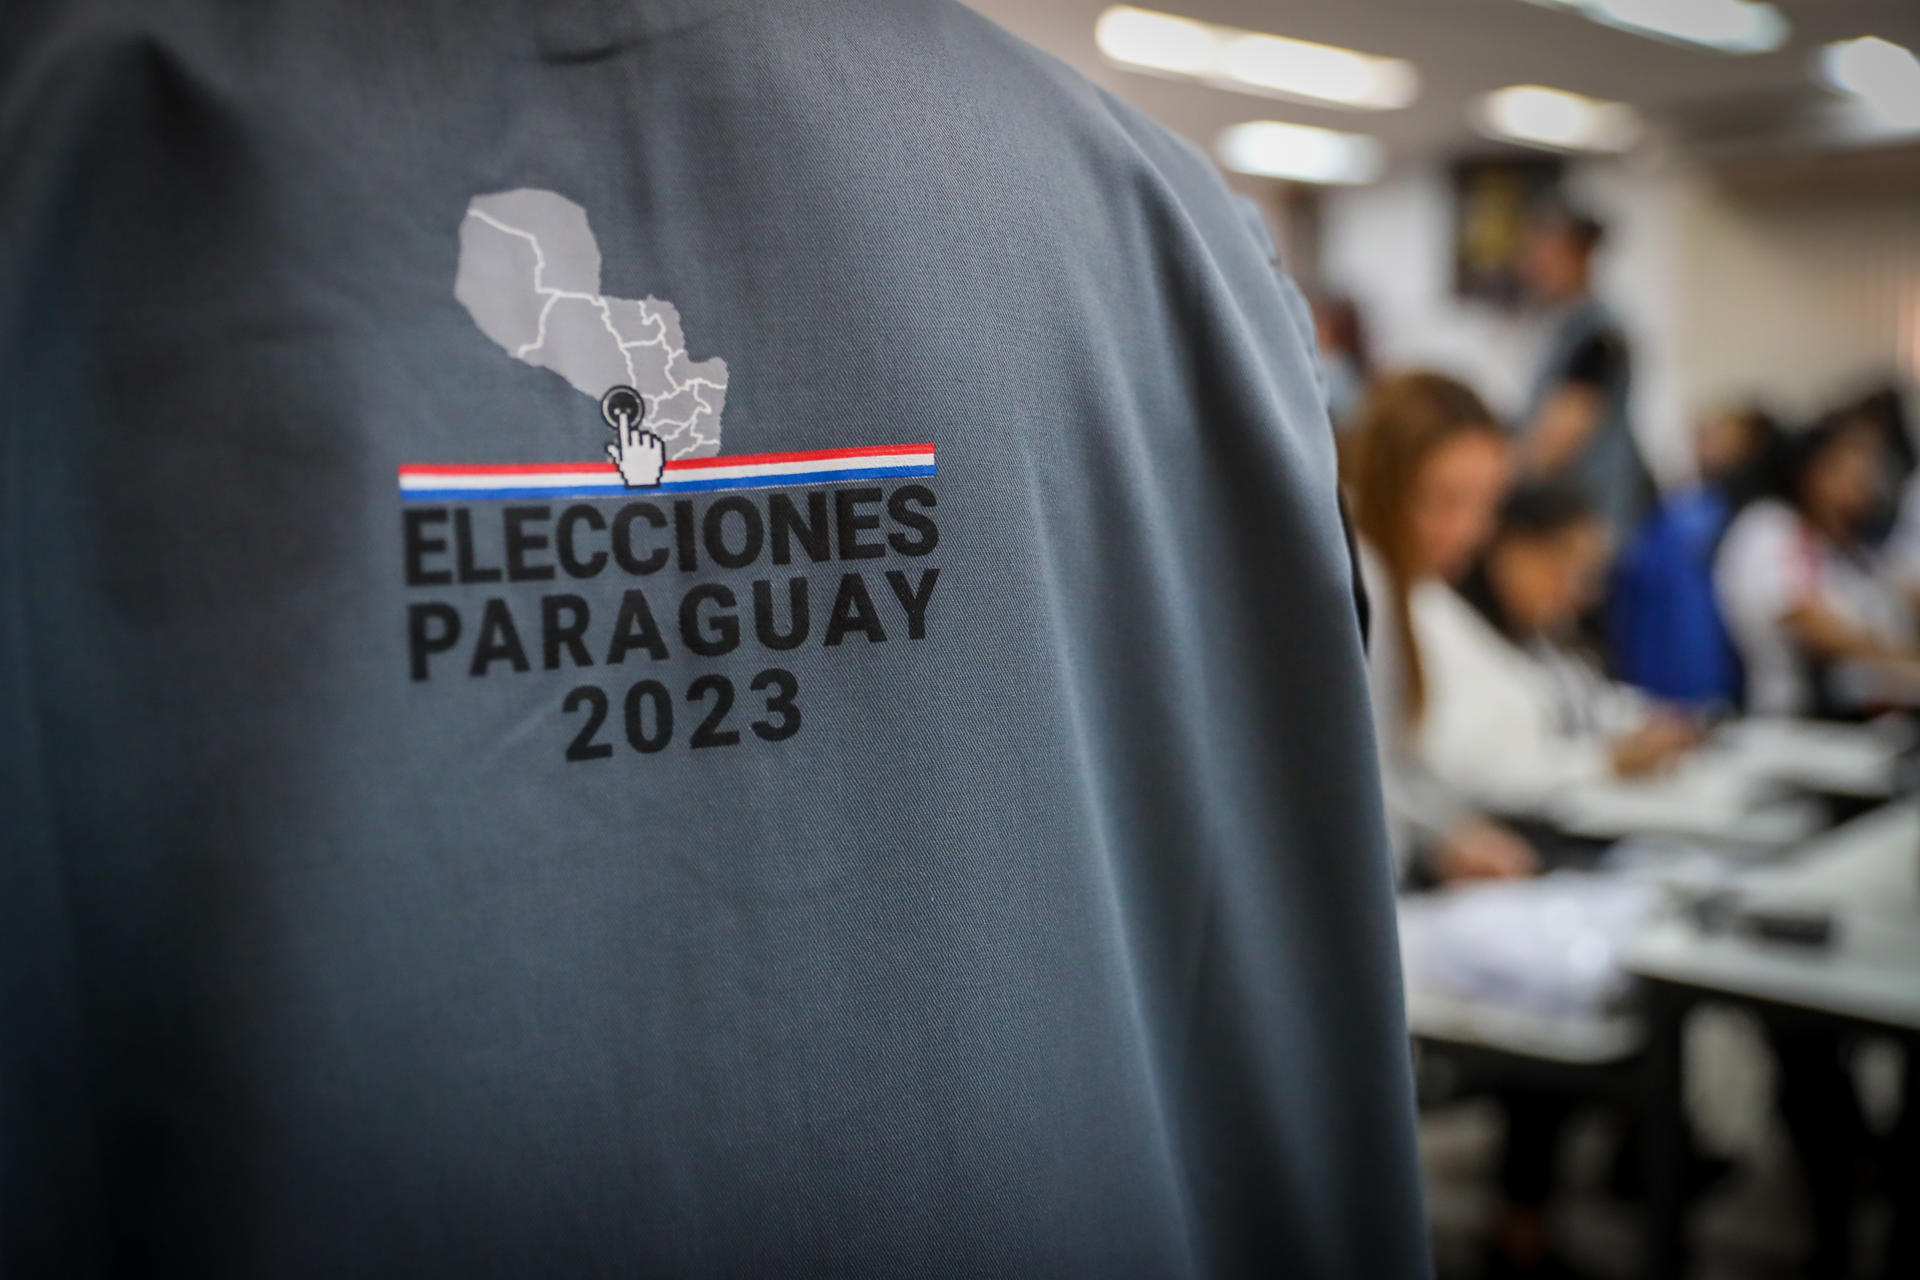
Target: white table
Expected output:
[1745,787]
[1575,1041]
[1867,874]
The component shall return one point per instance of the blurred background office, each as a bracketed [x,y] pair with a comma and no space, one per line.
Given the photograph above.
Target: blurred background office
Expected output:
[1618,304]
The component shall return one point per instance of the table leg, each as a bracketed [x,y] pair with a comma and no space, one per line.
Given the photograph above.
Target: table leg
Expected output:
[1903,1248]
[1666,1147]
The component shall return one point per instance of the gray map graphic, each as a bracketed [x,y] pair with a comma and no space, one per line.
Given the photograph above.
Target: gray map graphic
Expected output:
[529,276]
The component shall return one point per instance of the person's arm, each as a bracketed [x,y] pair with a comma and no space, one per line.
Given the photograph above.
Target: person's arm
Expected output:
[1573,412]
[1644,736]
[1435,831]
[1428,823]
[1657,742]
[1565,423]
[1481,849]
[1824,633]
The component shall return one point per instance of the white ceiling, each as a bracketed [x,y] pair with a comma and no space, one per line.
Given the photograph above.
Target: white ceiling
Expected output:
[1462,48]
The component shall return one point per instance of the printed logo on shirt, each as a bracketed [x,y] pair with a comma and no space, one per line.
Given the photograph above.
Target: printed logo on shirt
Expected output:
[529,275]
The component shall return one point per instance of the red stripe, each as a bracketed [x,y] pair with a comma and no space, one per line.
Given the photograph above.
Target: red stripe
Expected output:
[688,464]
[811,455]
[504,468]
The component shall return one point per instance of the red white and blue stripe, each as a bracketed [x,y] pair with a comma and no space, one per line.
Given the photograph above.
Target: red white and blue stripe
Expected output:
[445,483]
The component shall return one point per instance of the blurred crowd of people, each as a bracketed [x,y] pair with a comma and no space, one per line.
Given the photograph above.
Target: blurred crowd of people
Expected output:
[1544,618]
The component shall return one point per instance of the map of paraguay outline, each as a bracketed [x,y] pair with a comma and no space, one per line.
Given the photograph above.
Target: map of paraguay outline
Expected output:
[529,275]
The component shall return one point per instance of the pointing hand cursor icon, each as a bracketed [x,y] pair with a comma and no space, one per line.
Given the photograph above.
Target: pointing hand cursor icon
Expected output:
[637,453]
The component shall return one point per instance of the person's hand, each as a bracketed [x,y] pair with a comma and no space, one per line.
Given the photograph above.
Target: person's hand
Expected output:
[639,455]
[1901,680]
[1481,850]
[1654,745]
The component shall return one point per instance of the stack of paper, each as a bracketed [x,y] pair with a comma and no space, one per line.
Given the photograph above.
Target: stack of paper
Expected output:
[1549,946]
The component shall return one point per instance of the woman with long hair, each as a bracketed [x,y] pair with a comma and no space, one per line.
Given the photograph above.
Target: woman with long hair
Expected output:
[1425,478]
[1426,475]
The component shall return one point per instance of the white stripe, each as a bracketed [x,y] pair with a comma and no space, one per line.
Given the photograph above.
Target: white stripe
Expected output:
[510,480]
[570,479]
[869,463]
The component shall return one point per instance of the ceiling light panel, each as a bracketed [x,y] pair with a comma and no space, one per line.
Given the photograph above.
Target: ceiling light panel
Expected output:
[1300,153]
[1253,61]
[1883,76]
[1537,116]
[1728,26]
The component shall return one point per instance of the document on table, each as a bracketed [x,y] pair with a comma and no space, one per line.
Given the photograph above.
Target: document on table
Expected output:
[1547,946]
[1737,788]
[1707,797]
[1842,759]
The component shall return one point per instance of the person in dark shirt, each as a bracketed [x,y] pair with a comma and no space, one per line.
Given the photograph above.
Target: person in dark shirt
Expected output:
[1576,425]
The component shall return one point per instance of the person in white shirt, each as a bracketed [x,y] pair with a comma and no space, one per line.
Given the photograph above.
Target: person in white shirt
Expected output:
[1425,476]
[1820,629]
[1516,713]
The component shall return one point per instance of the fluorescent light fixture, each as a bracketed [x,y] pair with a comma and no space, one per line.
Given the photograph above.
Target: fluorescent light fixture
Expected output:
[1252,61]
[1300,153]
[1884,76]
[1730,26]
[1557,120]
[1159,41]
[1319,71]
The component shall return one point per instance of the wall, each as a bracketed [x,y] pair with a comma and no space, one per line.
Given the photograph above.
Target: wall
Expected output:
[1797,300]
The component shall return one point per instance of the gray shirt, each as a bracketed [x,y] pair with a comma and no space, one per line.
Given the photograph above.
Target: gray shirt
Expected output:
[667,639]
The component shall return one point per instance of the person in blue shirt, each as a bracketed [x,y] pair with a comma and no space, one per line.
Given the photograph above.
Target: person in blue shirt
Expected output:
[1664,627]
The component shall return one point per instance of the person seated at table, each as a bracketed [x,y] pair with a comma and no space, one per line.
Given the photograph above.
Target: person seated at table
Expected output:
[1899,560]
[1515,711]
[1426,470]
[1426,478]
[1664,629]
[1425,474]
[1820,630]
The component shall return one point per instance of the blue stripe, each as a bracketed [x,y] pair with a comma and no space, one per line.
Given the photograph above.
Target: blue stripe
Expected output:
[669,486]
[551,491]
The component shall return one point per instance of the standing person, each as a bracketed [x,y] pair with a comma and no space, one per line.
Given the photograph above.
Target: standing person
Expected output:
[1426,475]
[1345,363]
[667,639]
[1576,427]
